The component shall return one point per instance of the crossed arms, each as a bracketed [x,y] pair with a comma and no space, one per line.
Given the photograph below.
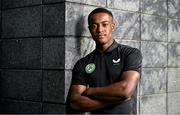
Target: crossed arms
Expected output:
[88,99]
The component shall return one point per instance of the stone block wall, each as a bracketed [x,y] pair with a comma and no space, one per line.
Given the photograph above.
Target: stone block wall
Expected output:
[42,39]
[32,56]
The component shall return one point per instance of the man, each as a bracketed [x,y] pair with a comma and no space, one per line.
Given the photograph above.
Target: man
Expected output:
[105,80]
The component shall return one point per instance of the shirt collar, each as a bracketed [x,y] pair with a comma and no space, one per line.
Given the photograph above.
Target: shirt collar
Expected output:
[111,47]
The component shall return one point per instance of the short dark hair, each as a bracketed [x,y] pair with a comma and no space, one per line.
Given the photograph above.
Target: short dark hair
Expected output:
[98,10]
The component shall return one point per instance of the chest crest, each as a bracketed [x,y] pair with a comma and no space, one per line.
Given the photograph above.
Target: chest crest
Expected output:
[90,68]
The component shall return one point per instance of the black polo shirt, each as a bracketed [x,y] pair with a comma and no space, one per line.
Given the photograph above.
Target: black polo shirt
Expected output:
[101,69]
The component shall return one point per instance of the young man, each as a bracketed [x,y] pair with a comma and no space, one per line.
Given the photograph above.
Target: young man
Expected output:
[105,81]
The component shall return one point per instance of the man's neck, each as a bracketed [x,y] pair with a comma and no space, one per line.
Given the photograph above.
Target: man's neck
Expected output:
[103,47]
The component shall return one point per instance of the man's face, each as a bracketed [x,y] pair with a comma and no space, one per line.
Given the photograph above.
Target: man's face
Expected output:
[101,28]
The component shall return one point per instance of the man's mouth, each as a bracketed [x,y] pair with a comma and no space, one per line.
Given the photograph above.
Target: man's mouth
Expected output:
[101,35]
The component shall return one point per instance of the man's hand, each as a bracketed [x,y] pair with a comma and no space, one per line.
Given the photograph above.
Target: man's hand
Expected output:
[86,92]
[84,103]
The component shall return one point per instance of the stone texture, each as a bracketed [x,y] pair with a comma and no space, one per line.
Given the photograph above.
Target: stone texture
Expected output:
[173,103]
[19,107]
[154,54]
[1,53]
[87,45]
[0,21]
[158,24]
[21,84]
[101,3]
[173,79]
[173,30]
[68,77]
[76,22]
[53,53]
[153,81]
[155,104]
[138,105]
[76,19]
[173,8]
[41,40]
[22,53]
[19,3]
[22,22]
[127,25]
[72,53]
[0,4]
[53,19]
[53,108]
[54,86]
[53,1]
[173,55]
[155,7]
[132,5]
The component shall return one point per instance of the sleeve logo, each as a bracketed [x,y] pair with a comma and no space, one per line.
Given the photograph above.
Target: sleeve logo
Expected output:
[90,68]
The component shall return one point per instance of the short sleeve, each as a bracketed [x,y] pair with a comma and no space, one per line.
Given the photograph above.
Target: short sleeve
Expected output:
[77,74]
[133,60]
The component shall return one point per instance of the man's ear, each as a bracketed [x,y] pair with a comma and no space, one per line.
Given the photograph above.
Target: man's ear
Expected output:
[113,26]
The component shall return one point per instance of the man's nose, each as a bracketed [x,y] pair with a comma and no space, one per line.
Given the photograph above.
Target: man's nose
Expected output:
[99,29]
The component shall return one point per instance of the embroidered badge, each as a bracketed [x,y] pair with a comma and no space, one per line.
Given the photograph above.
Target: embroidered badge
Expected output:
[90,68]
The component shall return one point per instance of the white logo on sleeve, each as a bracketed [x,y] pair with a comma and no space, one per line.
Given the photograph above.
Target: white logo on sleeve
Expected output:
[116,61]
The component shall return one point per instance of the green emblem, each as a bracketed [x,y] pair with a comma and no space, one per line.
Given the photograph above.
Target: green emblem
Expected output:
[90,68]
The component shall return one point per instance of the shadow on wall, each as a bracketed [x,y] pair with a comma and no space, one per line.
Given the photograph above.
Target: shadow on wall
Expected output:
[83,44]
[79,29]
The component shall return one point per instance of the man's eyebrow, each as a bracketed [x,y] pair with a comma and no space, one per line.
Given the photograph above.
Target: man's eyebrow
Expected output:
[100,22]
[105,21]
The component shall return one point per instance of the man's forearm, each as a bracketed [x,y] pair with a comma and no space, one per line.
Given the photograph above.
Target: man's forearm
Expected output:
[114,93]
[108,98]
[119,91]
[83,103]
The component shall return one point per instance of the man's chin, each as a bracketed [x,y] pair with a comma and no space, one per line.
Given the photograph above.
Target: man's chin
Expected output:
[101,42]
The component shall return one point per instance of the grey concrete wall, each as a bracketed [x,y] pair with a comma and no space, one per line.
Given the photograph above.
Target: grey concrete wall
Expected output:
[42,39]
[32,56]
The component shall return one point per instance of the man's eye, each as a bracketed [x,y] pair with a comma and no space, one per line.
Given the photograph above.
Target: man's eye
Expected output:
[93,26]
[104,25]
